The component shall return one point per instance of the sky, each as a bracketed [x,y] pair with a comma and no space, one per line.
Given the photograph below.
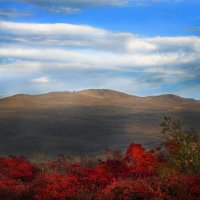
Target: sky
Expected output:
[140,47]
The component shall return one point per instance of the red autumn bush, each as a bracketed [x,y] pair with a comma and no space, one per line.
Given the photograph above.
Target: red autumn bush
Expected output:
[116,168]
[12,190]
[128,189]
[142,162]
[16,177]
[17,168]
[139,174]
[56,186]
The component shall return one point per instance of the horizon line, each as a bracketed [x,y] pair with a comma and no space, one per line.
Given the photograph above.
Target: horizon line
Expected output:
[2,96]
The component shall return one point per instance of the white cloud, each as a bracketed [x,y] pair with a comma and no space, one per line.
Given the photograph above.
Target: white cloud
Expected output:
[170,72]
[96,48]
[62,51]
[40,80]
[83,36]
[19,69]
[95,59]
[57,29]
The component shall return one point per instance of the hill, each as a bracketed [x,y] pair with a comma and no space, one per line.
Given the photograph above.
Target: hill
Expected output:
[87,121]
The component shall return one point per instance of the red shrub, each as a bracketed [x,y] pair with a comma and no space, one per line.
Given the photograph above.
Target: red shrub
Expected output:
[128,190]
[17,168]
[11,189]
[92,180]
[56,186]
[16,176]
[193,182]
[138,175]
[116,168]
[141,161]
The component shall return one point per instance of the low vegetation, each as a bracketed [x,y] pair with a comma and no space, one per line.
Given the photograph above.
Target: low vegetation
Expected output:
[169,172]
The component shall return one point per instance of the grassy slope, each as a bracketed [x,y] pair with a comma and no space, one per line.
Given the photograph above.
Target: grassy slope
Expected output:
[87,121]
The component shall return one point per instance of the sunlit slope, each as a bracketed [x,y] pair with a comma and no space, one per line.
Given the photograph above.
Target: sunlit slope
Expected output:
[87,121]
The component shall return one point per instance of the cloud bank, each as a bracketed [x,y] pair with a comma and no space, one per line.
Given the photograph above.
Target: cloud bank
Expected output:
[46,57]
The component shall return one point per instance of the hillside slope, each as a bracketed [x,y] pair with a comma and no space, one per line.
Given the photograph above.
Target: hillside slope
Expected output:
[87,121]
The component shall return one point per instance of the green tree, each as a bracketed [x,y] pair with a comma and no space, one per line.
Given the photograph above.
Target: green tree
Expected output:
[183,146]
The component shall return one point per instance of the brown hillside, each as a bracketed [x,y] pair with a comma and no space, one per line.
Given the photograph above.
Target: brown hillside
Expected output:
[87,121]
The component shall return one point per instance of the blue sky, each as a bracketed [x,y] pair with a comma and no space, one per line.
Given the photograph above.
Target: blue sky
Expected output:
[142,47]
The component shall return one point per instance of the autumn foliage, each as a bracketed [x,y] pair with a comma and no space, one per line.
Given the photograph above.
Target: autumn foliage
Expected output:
[138,174]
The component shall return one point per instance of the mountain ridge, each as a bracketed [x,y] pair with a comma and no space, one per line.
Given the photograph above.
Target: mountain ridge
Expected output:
[99,91]
[87,121]
[97,97]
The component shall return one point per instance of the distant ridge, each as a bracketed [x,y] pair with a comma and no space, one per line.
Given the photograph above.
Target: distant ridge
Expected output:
[97,97]
[101,92]
[87,121]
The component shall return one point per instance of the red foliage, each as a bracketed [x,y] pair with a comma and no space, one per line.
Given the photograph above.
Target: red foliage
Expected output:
[128,189]
[16,177]
[116,168]
[17,168]
[142,162]
[138,175]
[56,186]
[193,186]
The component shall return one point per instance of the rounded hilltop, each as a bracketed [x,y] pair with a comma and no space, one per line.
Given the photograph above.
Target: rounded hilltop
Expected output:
[102,92]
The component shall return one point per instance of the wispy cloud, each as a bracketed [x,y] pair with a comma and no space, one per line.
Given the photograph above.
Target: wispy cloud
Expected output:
[97,59]
[150,2]
[60,34]
[74,6]
[13,13]
[81,56]
[41,80]
[195,28]
[71,6]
